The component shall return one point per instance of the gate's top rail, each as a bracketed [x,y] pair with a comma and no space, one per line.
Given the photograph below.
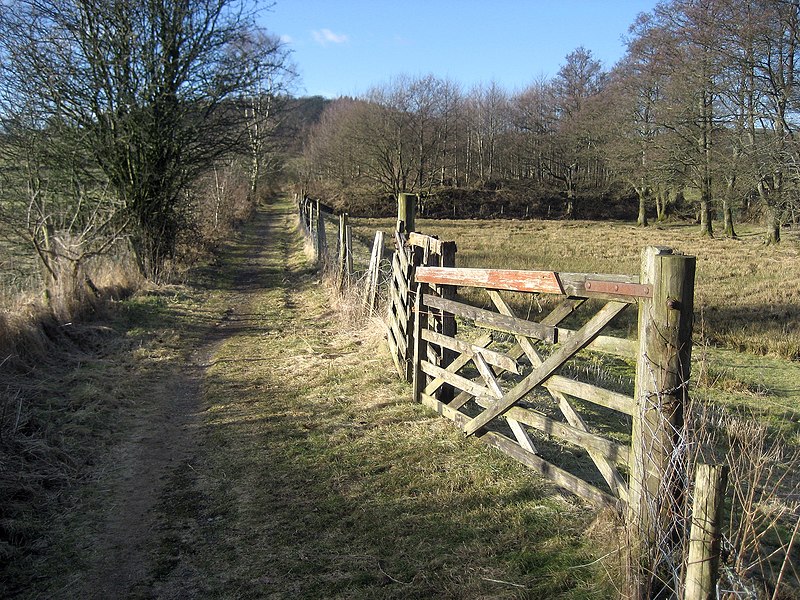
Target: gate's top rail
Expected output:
[583,285]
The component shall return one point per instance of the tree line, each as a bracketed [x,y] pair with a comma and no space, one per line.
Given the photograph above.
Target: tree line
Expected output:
[703,104]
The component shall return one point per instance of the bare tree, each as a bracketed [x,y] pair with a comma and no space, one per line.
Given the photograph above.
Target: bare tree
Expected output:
[57,206]
[488,121]
[676,40]
[147,85]
[776,38]
[265,104]
[577,86]
[533,118]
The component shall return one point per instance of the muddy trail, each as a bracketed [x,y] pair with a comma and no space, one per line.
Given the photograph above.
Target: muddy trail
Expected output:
[158,467]
[271,452]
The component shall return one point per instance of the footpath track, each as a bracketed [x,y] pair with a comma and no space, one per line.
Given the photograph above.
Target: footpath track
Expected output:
[279,457]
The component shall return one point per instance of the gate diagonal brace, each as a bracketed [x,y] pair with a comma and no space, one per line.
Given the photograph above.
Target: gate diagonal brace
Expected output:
[582,338]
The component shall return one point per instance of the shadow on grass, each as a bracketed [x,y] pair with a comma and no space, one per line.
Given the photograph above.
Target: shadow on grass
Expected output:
[294,493]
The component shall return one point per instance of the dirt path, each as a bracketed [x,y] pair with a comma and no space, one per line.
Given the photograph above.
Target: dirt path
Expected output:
[163,437]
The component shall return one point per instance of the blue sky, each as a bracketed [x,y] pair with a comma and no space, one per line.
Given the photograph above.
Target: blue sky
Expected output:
[343,47]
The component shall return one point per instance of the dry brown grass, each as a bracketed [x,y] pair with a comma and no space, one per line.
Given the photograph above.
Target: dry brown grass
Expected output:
[747,294]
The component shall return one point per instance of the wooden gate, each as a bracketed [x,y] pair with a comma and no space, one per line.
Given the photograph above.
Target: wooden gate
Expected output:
[508,360]
[412,251]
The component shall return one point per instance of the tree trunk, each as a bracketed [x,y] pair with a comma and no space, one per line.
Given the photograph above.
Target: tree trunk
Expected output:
[570,211]
[571,197]
[770,191]
[727,210]
[662,198]
[641,221]
[705,150]
[773,225]
[727,214]
[706,228]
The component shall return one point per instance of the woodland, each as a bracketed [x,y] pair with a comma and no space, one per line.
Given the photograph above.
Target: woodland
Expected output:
[698,120]
[141,130]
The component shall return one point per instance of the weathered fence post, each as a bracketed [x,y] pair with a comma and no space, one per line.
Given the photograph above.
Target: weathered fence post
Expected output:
[348,244]
[373,273]
[662,376]
[345,258]
[406,212]
[320,242]
[704,540]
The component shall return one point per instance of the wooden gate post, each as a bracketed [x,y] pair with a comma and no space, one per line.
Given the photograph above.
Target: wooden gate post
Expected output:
[406,221]
[406,212]
[662,377]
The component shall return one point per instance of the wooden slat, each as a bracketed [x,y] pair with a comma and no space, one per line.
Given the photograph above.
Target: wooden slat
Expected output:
[591,393]
[453,367]
[563,478]
[522,437]
[458,362]
[553,362]
[399,336]
[493,320]
[425,241]
[400,281]
[458,381]
[557,315]
[545,282]
[488,377]
[562,311]
[614,452]
[444,410]
[559,476]
[398,308]
[624,348]
[460,400]
[401,315]
[585,391]
[497,359]
[393,350]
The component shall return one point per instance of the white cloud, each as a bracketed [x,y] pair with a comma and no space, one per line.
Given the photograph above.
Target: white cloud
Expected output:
[286,39]
[326,36]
